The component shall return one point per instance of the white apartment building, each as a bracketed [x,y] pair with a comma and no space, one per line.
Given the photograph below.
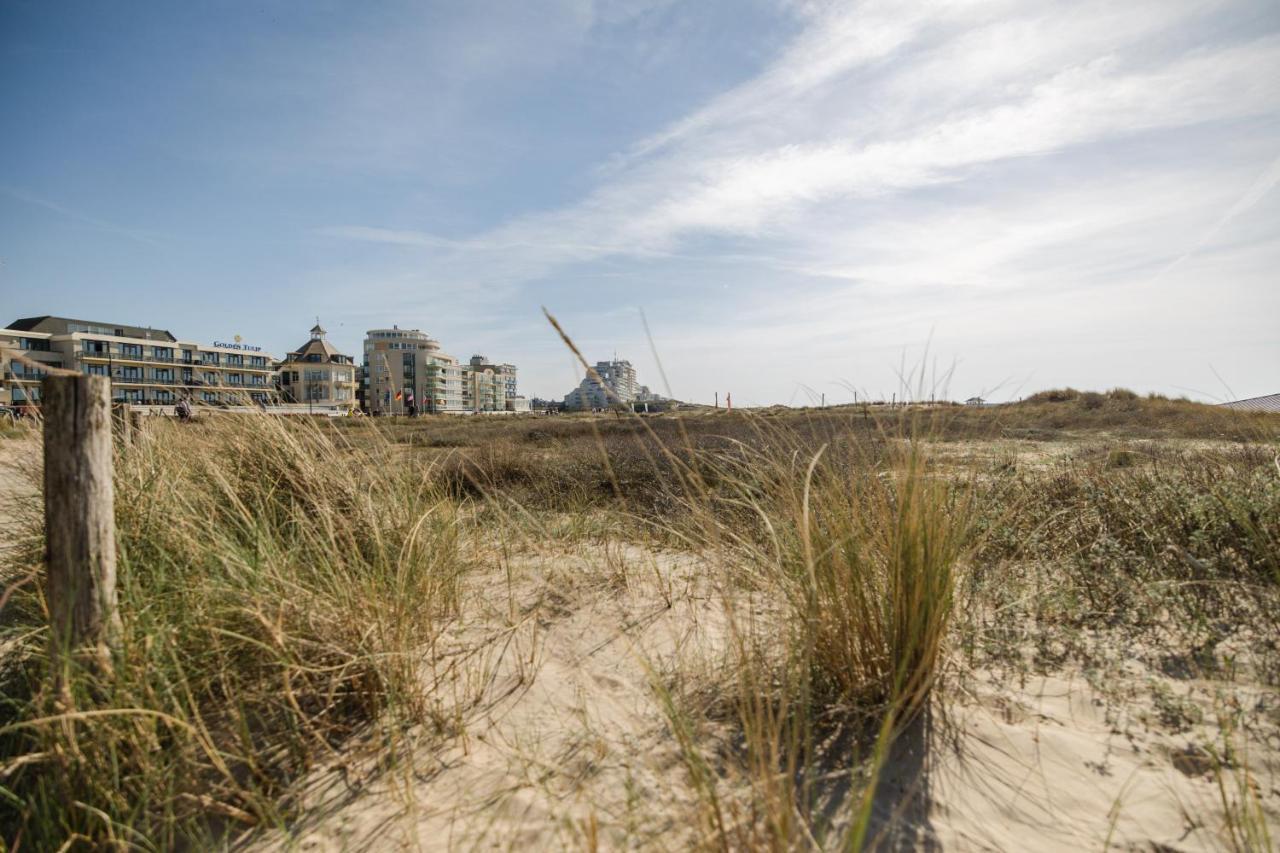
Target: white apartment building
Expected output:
[617,384]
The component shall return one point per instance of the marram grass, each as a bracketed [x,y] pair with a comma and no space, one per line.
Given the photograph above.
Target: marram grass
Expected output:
[278,591]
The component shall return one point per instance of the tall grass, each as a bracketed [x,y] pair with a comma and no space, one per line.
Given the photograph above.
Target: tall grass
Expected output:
[279,591]
[845,549]
[282,584]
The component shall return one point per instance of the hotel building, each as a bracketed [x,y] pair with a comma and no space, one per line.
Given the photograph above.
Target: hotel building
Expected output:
[318,375]
[147,366]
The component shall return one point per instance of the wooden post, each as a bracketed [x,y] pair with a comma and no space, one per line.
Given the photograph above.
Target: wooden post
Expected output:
[79,502]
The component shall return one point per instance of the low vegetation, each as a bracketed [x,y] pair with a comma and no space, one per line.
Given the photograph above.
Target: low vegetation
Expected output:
[292,590]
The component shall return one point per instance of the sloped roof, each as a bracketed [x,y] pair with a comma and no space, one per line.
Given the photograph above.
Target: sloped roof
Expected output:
[1268,403]
[320,347]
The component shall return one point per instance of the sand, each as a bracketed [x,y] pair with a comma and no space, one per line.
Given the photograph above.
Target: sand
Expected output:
[563,743]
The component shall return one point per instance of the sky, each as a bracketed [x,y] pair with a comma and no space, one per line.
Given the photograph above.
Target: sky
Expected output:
[777,199]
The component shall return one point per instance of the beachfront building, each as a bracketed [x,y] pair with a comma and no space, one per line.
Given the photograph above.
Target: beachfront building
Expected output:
[147,366]
[616,384]
[318,375]
[405,367]
[484,388]
[505,373]
[495,386]
[405,370]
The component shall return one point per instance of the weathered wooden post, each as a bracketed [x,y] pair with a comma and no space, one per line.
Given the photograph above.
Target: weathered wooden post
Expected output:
[79,502]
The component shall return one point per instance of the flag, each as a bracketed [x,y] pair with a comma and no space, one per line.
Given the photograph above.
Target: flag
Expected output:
[398,396]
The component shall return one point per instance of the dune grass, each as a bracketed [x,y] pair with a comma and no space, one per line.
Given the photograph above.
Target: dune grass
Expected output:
[282,583]
[277,589]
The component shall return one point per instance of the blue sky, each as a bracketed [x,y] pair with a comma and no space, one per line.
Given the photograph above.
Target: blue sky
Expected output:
[802,197]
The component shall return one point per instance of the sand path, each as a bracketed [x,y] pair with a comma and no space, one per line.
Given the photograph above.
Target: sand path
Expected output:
[564,744]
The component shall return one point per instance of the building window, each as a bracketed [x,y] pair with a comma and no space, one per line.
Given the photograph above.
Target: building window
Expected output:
[132,350]
[95,369]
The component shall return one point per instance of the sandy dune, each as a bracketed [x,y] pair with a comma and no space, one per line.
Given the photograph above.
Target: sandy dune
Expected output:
[564,744]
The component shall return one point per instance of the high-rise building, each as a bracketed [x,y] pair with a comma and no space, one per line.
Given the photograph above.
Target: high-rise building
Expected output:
[146,366]
[617,384]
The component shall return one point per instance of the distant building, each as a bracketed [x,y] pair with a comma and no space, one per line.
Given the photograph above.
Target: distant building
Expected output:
[147,366]
[616,384]
[1269,403]
[975,401]
[404,367]
[406,364]
[318,375]
[505,372]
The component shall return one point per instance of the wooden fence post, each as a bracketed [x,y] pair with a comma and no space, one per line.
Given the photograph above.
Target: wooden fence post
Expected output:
[79,504]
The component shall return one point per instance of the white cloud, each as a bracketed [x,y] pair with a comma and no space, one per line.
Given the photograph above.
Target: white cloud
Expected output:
[907,146]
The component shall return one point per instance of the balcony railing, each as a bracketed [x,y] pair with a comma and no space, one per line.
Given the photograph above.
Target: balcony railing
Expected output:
[167,359]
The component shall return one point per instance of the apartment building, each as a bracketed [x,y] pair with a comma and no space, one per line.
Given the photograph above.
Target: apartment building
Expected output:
[147,366]
[617,383]
[406,367]
[506,373]
[318,375]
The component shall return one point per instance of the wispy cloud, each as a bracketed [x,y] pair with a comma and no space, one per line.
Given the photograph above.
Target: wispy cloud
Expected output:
[134,234]
[1256,192]
[910,146]
[749,165]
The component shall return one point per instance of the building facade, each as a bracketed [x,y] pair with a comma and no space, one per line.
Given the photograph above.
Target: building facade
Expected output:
[405,370]
[146,366]
[506,373]
[617,384]
[318,375]
[405,367]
